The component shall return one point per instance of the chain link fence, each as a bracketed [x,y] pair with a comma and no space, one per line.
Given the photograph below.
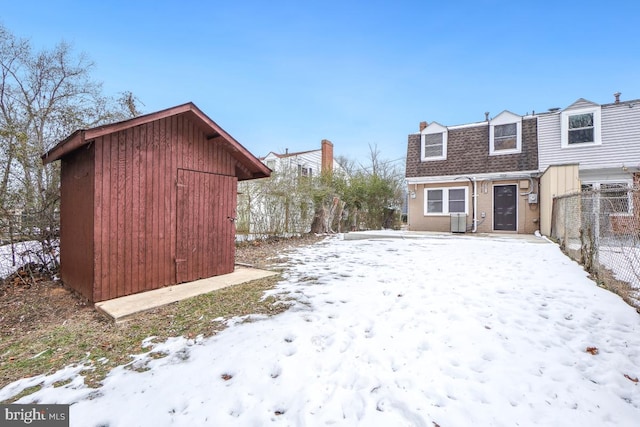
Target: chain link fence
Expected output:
[600,229]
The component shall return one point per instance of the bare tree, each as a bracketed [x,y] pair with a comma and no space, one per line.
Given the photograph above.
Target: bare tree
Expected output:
[44,96]
[276,206]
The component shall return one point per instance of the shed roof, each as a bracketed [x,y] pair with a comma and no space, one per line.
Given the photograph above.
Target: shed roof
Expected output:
[250,166]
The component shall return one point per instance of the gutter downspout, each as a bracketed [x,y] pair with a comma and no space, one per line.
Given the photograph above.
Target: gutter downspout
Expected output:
[474,219]
[474,196]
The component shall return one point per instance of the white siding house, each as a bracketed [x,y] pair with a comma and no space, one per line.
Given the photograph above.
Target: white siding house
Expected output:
[606,145]
[600,145]
[308,163]
[273,206]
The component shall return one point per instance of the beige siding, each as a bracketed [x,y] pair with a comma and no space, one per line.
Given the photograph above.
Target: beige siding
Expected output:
[556,181]
[528,214]
[418,221]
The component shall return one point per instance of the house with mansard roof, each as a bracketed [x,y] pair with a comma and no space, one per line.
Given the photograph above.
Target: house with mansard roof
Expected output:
[502,174]
[479,177]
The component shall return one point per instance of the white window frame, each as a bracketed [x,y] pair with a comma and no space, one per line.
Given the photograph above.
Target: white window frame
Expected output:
[445,200]
[304,171]
[433,128]
[271,164]
[597,127]
[505,118]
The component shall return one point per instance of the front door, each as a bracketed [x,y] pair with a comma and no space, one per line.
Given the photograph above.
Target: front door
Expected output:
[505,198]
[205,228]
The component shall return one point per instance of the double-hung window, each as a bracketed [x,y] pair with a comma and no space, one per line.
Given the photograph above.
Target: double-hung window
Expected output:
[580,127]
[433,146]
[433,140]
[505,137]
[505,134]
[442,201]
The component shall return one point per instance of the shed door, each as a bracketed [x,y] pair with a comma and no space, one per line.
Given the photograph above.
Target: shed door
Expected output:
[205,232]
[504,207]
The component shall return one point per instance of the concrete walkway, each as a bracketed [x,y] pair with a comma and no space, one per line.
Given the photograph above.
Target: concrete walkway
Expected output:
[402,234]
[119,309]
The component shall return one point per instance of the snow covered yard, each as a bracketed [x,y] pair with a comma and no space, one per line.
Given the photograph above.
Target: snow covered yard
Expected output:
[442,330]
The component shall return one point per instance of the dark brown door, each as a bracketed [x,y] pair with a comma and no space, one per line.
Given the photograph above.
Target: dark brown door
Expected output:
[205,229]
[504,207]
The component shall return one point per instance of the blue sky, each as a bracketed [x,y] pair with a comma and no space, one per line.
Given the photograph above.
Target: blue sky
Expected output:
[287,74]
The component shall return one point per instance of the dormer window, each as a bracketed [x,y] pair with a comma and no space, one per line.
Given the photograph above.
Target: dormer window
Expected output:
[433,145]
[505,134]
[505,137]
[580,127]
[434,142]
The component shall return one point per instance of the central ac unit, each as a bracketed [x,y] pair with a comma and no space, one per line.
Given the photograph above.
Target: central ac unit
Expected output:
[458,223]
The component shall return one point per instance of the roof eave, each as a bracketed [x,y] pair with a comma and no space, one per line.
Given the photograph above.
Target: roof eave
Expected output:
[237,150]
[254,166]
[67,145]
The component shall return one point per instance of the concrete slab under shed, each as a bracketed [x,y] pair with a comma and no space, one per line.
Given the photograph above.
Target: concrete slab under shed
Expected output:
[119,309]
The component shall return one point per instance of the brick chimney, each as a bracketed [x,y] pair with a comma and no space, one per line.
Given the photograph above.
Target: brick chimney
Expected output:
[327,156]
[423,125]
[617,95]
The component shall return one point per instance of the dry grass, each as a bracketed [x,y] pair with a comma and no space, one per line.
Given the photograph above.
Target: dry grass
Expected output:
[606,279]
[44,327]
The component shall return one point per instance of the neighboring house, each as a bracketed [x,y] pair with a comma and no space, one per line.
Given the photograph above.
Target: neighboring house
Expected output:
[307,163]
[589,146]
[281,205]
[474,177]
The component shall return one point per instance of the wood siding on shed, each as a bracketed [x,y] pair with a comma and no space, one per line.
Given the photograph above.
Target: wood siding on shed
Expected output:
[136,199]
[76,221]
[205,225]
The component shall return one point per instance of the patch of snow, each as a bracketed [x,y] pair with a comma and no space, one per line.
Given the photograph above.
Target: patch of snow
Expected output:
[624,261]
[437,330]
[22,254]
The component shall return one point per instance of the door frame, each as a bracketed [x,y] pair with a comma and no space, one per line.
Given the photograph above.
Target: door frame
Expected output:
[493,201]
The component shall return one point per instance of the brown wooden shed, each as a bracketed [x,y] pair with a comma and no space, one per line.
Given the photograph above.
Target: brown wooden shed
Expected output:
[149,202]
